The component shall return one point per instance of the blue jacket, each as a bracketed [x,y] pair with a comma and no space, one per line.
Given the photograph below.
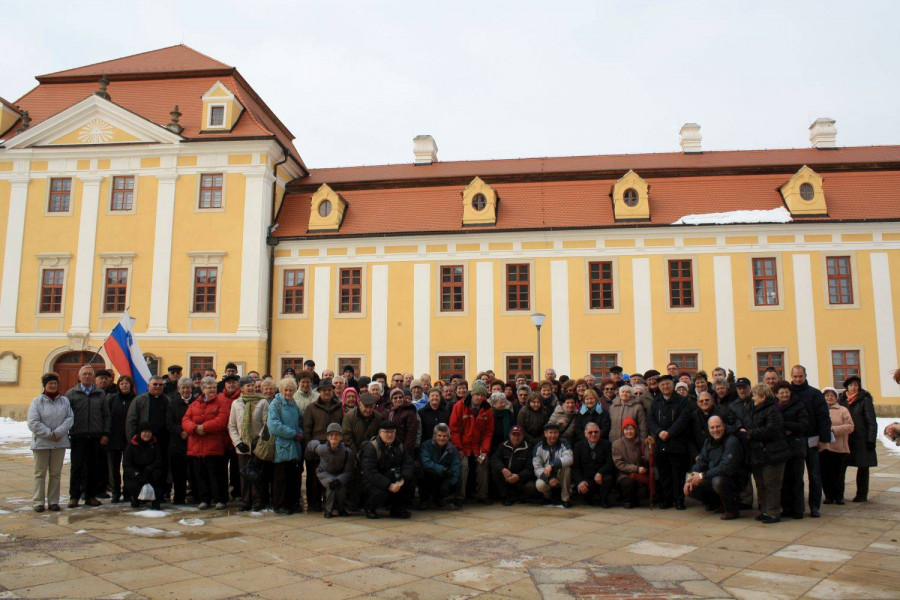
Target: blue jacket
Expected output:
[435,460]
[284,424]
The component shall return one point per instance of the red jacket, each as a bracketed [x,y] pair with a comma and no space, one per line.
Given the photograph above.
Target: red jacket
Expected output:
[213,415]
[226,403]
[470,434]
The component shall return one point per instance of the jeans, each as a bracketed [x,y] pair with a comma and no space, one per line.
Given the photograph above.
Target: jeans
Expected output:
[47,462]
[814,474]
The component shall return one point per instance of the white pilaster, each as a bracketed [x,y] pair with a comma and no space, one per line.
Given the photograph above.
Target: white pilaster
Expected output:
[254,260]
[161,275]
[806,322]
[882,294]
[643,315]
[84,261]
[725,339]
[559,316]
[321,314]
[484,316]
[421,318]
[12,255]
[379,318]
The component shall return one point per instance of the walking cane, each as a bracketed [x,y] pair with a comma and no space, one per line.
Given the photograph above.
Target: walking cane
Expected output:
[650,447]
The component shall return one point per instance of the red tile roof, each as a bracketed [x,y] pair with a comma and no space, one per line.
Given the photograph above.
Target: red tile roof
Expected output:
[545,205]
[151,84]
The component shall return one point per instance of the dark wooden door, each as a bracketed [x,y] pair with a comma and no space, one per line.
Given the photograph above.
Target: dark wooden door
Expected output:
[68,365]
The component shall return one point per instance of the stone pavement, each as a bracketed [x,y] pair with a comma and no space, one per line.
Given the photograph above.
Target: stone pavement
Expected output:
[524,552]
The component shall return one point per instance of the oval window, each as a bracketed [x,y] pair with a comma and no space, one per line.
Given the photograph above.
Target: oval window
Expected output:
[631,197]
[324,208]
[479,202]
[807,192]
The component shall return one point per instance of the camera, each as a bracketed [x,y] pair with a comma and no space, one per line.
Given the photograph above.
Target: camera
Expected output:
[394,475]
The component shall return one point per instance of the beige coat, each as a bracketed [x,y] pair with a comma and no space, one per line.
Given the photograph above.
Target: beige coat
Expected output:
[236,418]
[618,412]
[841,427]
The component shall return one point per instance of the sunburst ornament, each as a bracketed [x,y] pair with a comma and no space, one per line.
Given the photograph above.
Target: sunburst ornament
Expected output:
[95,131]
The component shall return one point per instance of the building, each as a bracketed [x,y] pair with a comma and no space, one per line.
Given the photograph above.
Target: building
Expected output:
[428,266]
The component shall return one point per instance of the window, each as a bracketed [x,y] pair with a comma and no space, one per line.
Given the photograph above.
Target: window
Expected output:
[765,282]
[681,284]
[352,361]
[630,197]
[60,194]
[600,364]
[844,363]
[479,202]
[806,191]
[520,364]
[764,360]
[517,287]
[294,280]
[840,280]
[292,362]
[205,283]
[217,116]
[200,363]
[324,208]
[114,296]
[351,290]
[211,190]
[451,366]
[452,288]
[52,290]
[123,193]
[601,284]
[687,362]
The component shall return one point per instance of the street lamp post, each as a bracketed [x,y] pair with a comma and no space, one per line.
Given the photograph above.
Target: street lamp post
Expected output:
[538,320]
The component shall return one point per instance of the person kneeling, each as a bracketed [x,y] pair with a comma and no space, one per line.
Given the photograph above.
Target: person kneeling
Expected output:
[592,470]
[511,468]
[552,464]
[440,463]
[716,476]
[387,473]
[142,464]
[335,468]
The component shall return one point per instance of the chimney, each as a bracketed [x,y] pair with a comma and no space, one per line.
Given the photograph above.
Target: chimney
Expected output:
[690,138]
[424,149]
[823,134]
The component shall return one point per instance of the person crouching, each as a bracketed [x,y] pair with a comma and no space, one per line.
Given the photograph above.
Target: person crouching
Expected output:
[142,464]
[441,467]
[387,472]
[716,478]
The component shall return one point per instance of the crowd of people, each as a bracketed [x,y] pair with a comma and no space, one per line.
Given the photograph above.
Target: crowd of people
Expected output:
[370,443]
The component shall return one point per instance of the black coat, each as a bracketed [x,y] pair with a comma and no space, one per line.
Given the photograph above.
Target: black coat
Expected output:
[533,421]
[722,457]
[431,417]
[699,428]
[177,408]
[142,460]
[765,435]
[516,459]
[673,416]
[378,460]
[601,419]
[816,409]
[865,430]
[796,419]
[118,414]
[588,462]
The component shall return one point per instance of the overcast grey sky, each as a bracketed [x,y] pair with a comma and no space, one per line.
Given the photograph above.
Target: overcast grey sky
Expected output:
[356,81]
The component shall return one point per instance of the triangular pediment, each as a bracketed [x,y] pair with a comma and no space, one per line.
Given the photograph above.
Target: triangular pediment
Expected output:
[93,121]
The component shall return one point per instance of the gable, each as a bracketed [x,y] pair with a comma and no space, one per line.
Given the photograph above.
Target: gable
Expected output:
[93,121]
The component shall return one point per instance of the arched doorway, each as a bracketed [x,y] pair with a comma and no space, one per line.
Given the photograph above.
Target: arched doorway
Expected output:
[68,364]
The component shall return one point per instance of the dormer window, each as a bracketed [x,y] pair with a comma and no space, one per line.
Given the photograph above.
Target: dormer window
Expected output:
[324,208]
[479,202]
[807,192]
[217,116]
[631,197]
[804,194]
[221,108]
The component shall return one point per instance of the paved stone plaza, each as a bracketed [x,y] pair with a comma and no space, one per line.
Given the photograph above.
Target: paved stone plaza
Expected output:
[524,552]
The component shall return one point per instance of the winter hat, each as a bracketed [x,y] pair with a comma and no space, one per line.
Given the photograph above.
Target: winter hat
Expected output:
[368,400]
[396,392]
[387,426]
[681,384]
[629,421]
[145,426]
[479,388]
[830,389]
[416,383]
[334,427]
[48,378]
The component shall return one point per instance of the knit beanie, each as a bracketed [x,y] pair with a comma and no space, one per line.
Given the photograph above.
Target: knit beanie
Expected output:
[629,421]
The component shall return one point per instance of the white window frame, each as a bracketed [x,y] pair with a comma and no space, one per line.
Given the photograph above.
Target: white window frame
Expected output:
[839,385]
[437,289]
[697,351]
[189,355]
[302,358]
[115,260]
[782,349]
[587,286]
[779,283]
[336,363]
[854,279]
[533,355]
[209,116]
[616,353]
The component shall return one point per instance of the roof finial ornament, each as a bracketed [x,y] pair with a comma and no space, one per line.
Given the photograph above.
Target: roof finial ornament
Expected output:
[102,91]
[174,127]
[26,121]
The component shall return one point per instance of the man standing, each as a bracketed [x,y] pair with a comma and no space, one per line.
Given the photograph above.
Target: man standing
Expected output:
[417,393]
[737,418]
[716,476]
[230,370]
[471,430]
[305,395]
[88,435]
[593,470]
[171,387]
[359,426]
[552,463]
[820,431]
[511,468]
[668,420]
[310,365]
[151,409]
[316,419]
[387,473]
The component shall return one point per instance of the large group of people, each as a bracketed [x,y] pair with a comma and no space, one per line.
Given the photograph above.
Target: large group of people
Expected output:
[366,444]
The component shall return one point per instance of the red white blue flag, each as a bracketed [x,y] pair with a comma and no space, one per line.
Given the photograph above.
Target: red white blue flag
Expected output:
[125,354]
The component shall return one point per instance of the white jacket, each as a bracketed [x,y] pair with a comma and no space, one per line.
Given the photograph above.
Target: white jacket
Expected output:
[46,417]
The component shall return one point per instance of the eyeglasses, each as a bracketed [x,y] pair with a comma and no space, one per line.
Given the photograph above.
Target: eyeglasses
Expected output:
[609,389]
[593,433]
[156,384]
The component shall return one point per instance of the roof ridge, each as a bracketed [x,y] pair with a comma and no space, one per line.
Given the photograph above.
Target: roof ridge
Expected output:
[130,56]
[237,92]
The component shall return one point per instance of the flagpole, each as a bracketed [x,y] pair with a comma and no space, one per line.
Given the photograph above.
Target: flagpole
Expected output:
[97,353]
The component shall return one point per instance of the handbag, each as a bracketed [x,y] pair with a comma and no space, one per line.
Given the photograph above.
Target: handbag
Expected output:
[264,445]
[251,471]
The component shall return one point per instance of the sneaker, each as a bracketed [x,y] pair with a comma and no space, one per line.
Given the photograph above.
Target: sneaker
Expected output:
[53,508]
[203,506]
[567,504]
[220,506]
[328,514]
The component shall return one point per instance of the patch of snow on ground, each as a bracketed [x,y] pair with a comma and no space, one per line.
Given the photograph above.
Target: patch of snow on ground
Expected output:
[15,438]
[150,531]
[192,522]
[883,422]
[81,531]
[151,514]
[776,215]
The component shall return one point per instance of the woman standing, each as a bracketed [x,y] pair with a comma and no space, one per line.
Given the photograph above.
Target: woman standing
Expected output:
[249,413]
[768,452]
[284,424]
[865,431]
[796,424]
[119,401]
[49,418]
[833,456]
[532,419]
[206,423]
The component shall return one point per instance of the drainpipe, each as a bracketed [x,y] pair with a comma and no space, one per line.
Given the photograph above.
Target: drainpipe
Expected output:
[271,242]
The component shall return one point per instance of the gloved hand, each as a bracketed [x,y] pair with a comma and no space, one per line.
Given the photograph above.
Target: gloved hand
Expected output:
[243,448]
[870,446]
[334,484]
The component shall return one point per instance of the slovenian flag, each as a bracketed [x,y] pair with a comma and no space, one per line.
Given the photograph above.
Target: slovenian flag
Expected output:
[125,354]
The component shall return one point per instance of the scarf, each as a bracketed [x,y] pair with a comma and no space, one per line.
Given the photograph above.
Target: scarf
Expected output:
[52,396]
[250,401]
[503,421]
[851,398]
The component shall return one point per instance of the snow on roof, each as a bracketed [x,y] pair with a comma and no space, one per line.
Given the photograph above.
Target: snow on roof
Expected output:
[775,215]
